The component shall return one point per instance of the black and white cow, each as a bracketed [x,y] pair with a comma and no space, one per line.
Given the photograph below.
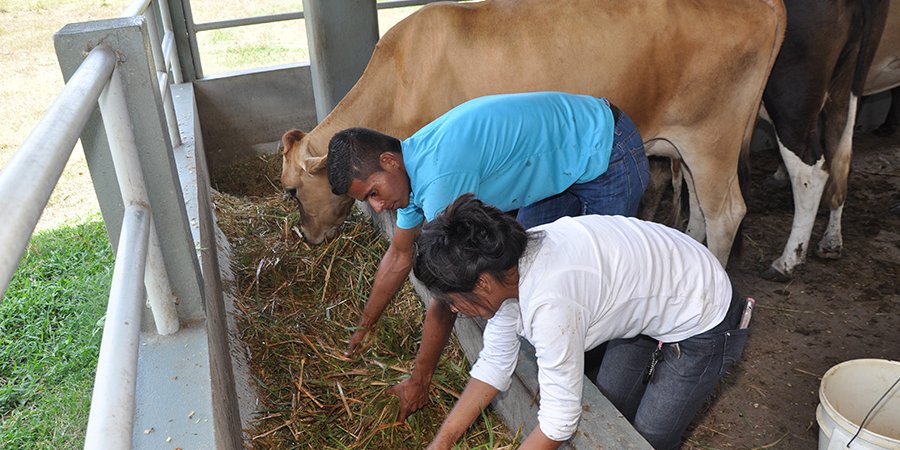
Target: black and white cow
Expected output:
[811,99]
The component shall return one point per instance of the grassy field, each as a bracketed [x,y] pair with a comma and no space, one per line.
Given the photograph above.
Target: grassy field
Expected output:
[51,314]
[50,322]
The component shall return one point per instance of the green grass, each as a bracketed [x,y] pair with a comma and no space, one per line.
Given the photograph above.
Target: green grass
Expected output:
[50,329]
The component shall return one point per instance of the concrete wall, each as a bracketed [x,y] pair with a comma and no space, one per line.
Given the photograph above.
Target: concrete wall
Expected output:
[244,114]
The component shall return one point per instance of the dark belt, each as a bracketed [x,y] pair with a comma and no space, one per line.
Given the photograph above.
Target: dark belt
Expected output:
[615,112]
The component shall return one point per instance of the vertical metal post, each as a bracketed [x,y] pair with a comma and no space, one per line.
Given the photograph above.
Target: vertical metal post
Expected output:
[342,36]
[162,74]
[112,403]
[124,151]
[170,53]
[130,38]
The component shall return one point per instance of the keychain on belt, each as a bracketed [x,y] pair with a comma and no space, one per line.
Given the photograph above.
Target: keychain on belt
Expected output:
[654,360]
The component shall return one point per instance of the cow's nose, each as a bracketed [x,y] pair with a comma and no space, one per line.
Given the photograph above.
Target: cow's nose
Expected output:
[291,192]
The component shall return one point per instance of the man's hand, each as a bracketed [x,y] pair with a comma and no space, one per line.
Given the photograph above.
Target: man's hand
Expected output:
[413,395]
[392,272]
[356,341]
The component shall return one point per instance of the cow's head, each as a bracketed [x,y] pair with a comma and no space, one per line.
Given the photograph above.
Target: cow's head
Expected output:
[305,179]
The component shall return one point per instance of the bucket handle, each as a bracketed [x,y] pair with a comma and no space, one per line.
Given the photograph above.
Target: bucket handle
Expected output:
[839,439]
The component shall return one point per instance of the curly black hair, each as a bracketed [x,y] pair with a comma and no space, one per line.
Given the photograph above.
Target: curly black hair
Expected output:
[469,238]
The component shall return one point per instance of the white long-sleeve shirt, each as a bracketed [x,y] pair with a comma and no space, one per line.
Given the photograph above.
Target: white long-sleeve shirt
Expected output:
[591,279]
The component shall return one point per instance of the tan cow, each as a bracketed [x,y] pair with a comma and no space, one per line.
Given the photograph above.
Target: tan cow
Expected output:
[690,74]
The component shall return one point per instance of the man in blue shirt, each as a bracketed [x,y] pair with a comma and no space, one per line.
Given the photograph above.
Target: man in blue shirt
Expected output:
[545,154]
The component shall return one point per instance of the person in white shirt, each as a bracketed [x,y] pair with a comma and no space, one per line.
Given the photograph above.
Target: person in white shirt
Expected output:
[661,301]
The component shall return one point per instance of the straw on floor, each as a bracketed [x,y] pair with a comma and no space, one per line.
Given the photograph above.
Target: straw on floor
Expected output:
[297,306]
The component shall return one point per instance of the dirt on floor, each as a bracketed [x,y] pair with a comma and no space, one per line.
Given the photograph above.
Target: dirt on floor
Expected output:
[832,311]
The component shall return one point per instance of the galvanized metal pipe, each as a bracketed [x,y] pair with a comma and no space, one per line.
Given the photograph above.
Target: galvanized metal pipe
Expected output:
[259,20]
[155,40]
[171,55]
[405,3]
[27,181]
[136,8]
[159,63]
[111,421]
[124,152]
[242,22]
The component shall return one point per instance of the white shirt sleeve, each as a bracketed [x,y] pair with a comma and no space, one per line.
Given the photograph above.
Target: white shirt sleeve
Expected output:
[498,358]
[558,333]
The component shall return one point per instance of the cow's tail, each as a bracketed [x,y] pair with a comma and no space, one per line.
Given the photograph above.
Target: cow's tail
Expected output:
[873,16]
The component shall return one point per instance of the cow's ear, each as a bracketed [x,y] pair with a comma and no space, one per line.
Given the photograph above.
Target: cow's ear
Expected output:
[289,138]
[314,164]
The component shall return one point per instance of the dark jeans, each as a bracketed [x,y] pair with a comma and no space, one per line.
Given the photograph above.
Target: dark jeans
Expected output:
[661,409]
[617,191]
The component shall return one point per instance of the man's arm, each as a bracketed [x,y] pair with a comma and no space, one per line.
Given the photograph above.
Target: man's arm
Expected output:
[392,272]
[413,391]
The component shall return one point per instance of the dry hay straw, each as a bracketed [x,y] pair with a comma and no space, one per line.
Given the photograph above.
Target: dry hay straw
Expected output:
[297,306]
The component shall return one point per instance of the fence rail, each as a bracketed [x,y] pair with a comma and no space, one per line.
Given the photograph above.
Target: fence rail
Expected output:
[194,28]
[165,55]
[111,422]
[27,182]
[29,178]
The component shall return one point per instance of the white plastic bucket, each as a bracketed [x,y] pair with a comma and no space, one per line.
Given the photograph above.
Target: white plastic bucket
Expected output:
[848,391]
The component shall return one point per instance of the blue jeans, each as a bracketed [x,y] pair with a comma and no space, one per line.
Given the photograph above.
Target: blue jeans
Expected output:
[661,409]
[617,191]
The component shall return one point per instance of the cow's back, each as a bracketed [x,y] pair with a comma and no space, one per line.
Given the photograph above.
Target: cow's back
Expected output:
[651,58]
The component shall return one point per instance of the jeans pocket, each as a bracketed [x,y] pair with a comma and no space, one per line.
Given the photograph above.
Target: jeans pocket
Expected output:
[708,353]
[733,347]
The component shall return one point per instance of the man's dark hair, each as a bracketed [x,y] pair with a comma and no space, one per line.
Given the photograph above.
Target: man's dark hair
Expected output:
[469,238]
[353,153]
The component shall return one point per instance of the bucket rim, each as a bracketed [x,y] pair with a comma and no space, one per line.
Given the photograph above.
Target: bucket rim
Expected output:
[836,415]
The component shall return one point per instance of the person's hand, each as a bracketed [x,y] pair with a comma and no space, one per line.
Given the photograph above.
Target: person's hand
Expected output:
[413,396]
[356,341]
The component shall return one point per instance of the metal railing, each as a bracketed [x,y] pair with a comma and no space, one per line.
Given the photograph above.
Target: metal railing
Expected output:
[27,182]
[194,28]
[165,55]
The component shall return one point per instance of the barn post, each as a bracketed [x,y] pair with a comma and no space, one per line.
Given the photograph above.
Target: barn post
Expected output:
[342,36]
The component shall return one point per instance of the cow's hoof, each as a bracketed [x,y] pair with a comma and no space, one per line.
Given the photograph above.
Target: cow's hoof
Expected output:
[773,274]
[895,210]
[829,253]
